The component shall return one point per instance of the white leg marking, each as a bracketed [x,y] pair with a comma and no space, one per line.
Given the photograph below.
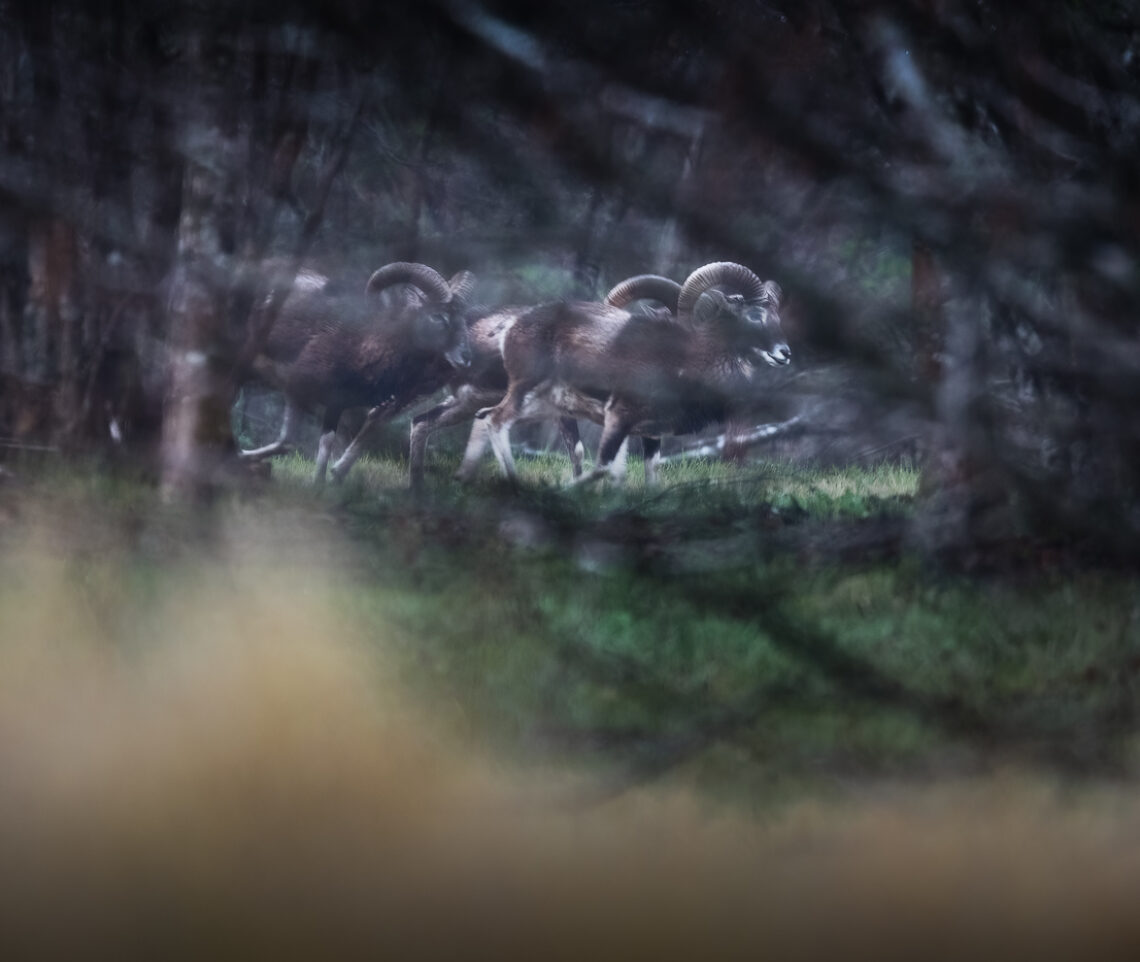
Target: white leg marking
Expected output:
[324,449]
[351,455]
[617,467]
[501,445]
[651,465]
[477,443]
[577,457]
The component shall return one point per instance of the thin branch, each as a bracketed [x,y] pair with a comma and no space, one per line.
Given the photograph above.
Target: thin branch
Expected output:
[757,435]
[264,319]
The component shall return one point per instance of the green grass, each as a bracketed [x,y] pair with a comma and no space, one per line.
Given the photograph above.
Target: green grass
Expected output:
[622,617]
[544,653]
[700,489]
[706,629]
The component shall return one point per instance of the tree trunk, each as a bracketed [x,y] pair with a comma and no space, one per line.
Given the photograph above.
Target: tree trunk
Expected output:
[964,502]
[198,445]
[669,246]
[411,249]
[197,440]
[13,261]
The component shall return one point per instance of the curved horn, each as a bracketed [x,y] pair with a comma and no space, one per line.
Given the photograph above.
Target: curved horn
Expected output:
[402,272]
[773,290]
[462,286]
[645,287]
[724,273]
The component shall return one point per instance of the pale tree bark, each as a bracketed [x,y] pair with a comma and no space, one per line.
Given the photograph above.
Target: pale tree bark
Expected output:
[197,440]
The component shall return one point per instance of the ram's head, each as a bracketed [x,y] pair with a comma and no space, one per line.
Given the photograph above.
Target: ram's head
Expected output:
[731,299]
[437,322]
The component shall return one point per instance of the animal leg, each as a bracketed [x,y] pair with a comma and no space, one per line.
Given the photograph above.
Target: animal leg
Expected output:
[501,446]
[355,448]
[422,427]
[499,420]
[572,438]
[325,445]
[477,443]
[651,450]
[461,407]
[620,463]
[615,431]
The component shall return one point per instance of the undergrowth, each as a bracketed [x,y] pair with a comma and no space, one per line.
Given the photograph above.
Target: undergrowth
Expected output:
[706,629]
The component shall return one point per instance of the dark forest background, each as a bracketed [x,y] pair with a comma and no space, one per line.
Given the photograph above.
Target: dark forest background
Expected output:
[948,192]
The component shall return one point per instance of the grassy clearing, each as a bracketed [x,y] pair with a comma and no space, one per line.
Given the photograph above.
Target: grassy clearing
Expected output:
[220,759]
[696,487]
[607,624]
[616,628]
[293,713]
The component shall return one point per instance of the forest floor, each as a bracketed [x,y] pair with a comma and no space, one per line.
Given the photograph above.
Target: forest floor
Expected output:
[744,675]
[762,631]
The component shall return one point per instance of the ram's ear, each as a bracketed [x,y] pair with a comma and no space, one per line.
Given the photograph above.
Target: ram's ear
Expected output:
[709,305]
[462,286]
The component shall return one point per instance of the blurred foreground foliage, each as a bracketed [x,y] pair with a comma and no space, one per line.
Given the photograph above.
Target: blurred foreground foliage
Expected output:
[259,732]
